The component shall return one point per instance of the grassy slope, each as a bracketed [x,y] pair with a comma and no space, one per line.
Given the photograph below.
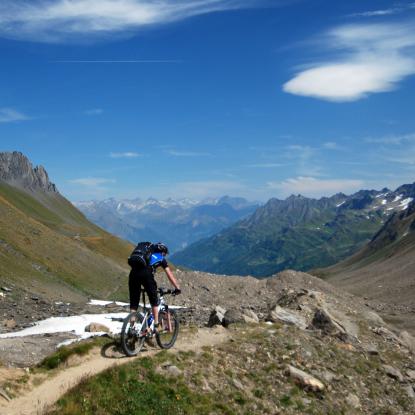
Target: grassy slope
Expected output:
[244,376]
[46,241]
[269,248]
[384,268]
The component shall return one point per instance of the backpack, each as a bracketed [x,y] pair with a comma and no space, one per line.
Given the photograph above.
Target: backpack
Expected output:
[140,257]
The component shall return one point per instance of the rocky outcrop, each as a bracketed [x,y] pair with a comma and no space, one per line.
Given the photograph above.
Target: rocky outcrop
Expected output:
[304,380]
[17,170]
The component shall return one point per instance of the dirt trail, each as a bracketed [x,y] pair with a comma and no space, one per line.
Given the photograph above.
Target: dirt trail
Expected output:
[42,397]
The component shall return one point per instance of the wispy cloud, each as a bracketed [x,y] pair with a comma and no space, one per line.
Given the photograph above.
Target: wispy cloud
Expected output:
[312,187]
[125,155]
[369,58]
[91,181]
[385,12]
[60,20]
[266,165]
[392,139]
[94,111]
[179,153]
[121,61]
[11,115]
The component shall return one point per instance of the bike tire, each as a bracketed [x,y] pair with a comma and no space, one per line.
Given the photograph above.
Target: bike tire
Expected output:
[166,338]
[130,342]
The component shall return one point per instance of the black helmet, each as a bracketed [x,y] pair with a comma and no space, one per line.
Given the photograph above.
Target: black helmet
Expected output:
[160,247]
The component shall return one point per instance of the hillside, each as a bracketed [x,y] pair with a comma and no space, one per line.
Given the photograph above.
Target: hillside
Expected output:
[384,269]
[298,233]
[47,246]
[294,345]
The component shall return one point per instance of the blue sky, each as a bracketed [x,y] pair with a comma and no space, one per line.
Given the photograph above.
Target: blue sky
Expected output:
[261,98]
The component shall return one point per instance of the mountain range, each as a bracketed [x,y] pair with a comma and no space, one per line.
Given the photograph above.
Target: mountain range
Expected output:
[178,223]
[298,233]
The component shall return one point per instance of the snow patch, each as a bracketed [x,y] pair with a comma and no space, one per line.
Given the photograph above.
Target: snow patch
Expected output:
[405,203]
[342,203]
[71,324]
[397,198]
[384,201]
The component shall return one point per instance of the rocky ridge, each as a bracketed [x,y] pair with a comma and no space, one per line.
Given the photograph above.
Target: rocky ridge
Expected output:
[16,170]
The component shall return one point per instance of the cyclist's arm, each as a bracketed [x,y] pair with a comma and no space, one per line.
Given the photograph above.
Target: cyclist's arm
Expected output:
[171,277]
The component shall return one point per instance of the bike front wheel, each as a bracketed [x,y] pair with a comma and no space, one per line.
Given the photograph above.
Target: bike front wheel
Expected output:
[167,335]
[131,339]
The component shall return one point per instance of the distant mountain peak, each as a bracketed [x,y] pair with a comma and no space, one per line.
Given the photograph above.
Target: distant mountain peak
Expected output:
[17,170]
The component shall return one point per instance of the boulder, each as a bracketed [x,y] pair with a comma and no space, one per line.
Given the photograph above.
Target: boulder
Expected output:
[410,375]
[353,401]
[407,340]
[232,317]
[409,390]
[9,324]
[370,349]
[96,328]
[4,394]
[173,370]
[373,317]
[279,314]
[216,316]
[304,380]
[335,325]
[393,373]
[250,317]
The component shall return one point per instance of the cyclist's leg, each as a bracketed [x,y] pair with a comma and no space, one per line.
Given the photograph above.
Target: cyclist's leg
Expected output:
[134,286]
[150,285]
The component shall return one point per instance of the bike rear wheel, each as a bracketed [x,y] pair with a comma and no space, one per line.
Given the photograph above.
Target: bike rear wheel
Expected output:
[131,341]
[167,335]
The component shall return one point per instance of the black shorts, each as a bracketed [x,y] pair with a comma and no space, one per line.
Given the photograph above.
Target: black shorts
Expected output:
[138,278]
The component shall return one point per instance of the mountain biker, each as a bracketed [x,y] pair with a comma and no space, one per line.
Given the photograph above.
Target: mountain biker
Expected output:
[145,277]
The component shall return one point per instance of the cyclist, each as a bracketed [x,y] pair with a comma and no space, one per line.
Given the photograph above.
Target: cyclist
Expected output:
[144,276]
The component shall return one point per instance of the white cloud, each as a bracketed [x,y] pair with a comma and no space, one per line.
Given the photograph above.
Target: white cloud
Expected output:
[94,111]
[11,115]
[91,181]
[60,20]
[374,58]
[127,155]
[312,187]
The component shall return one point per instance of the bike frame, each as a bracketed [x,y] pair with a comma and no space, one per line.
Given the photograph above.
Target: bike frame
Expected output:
[146,314]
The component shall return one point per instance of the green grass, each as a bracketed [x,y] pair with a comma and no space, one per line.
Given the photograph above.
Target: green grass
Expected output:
[136,389]
[47,240]
[62,355]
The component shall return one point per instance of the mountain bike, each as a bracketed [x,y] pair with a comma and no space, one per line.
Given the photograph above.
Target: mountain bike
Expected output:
[139,326]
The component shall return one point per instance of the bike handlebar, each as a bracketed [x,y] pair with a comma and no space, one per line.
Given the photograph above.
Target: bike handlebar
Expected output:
[163,291]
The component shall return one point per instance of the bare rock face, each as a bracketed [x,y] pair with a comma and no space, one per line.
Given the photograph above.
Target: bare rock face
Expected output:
[17,170]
